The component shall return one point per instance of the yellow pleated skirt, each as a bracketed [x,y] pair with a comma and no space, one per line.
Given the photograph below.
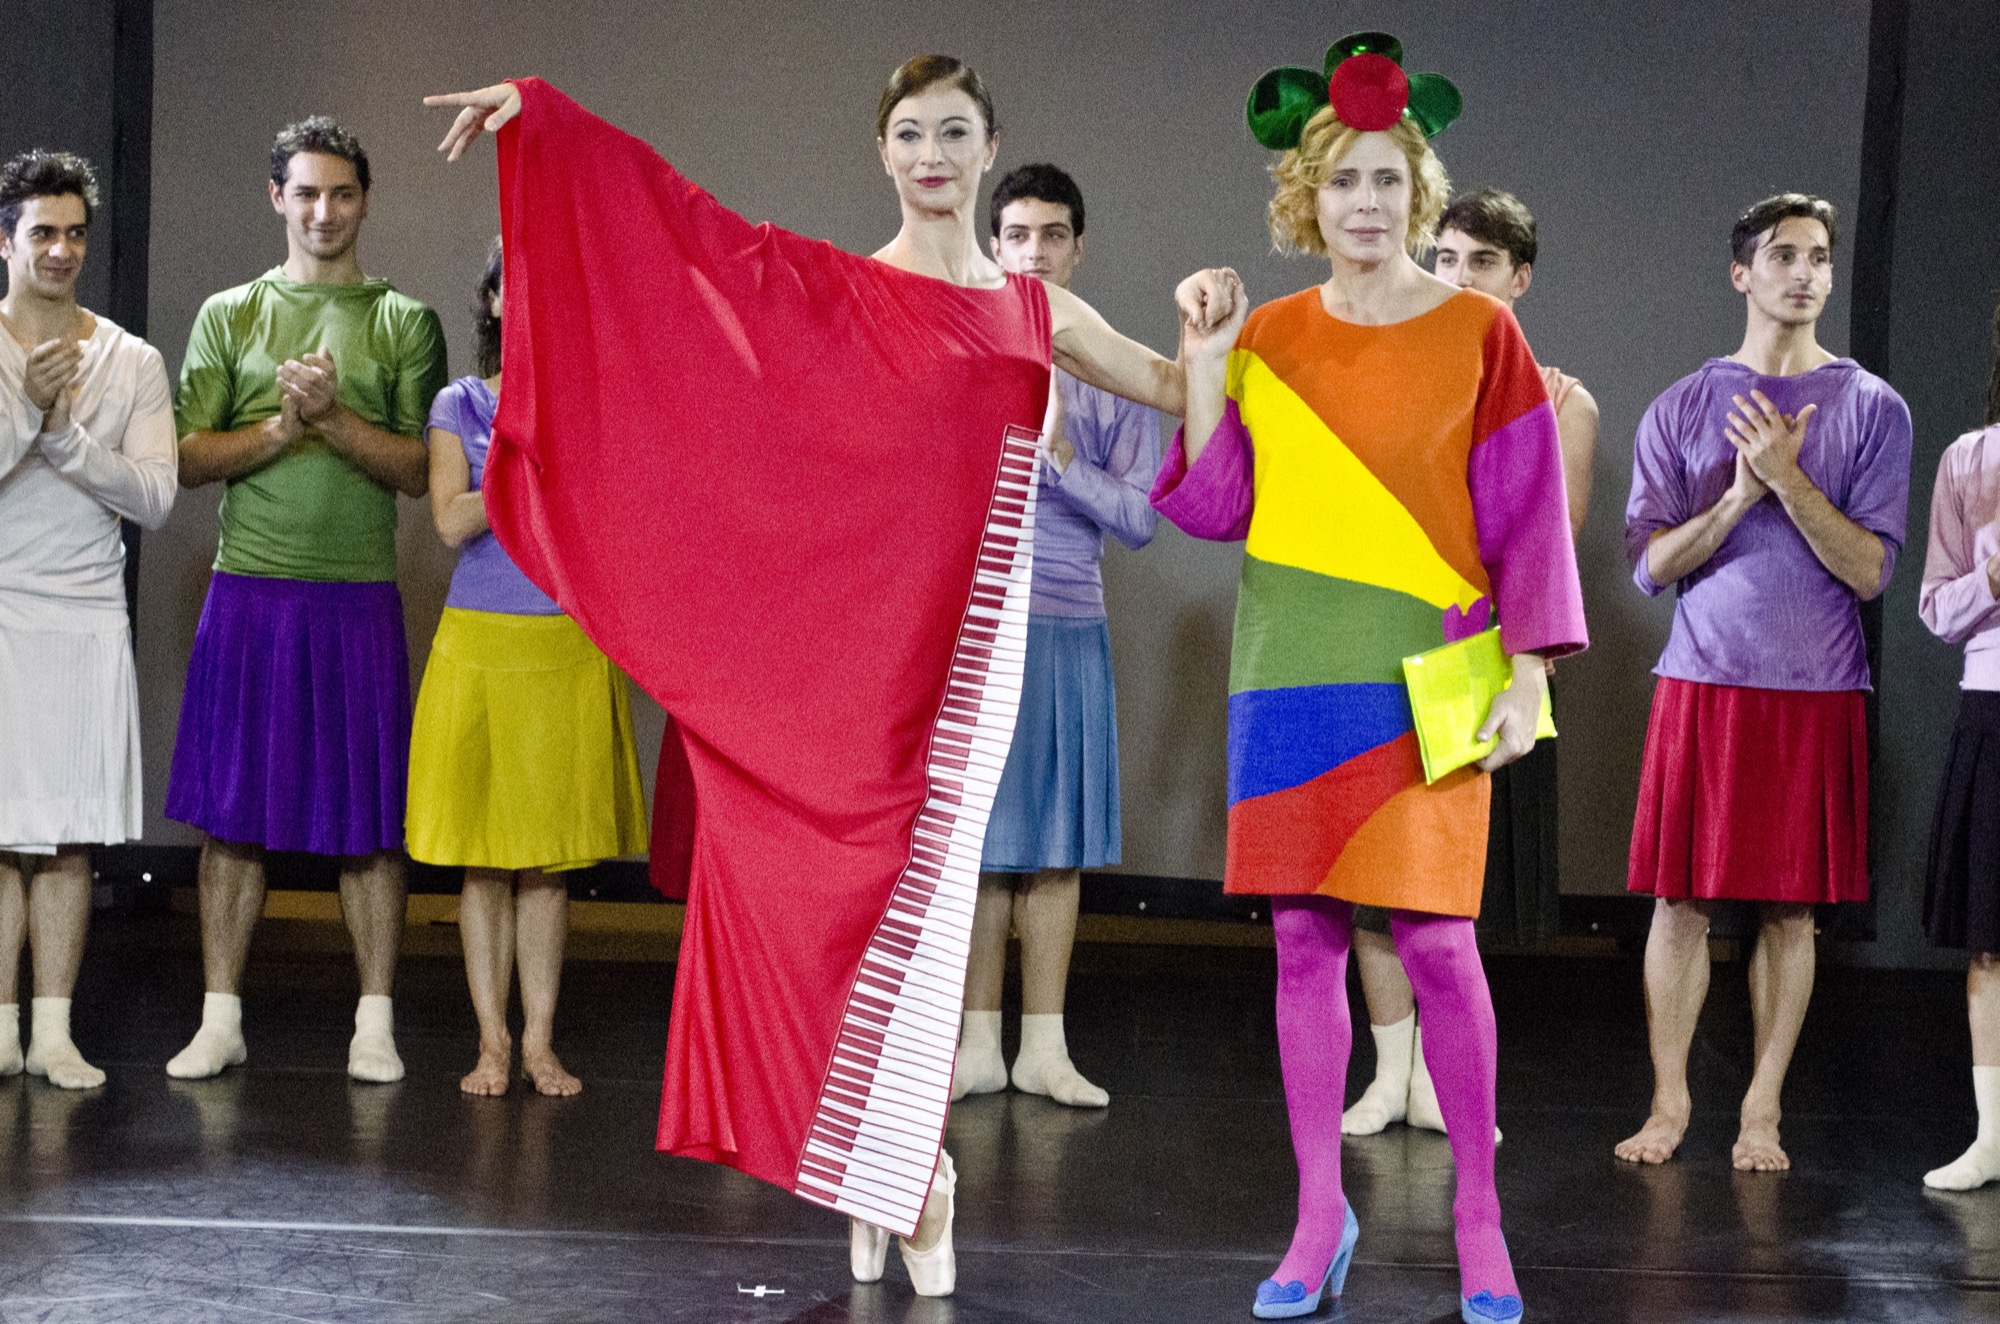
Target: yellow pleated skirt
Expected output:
[521,752]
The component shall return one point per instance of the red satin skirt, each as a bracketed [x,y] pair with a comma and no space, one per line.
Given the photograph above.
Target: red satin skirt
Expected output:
[1753,795]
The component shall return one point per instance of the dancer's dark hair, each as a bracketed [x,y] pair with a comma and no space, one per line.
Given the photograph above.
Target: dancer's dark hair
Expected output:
[320,135]
[1494,216]
[1044,183]
[44,174]
[922,71]
[486,322]
[1759,219]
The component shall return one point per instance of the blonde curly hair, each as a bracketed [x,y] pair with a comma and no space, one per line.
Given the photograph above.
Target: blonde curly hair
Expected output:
[1300,172]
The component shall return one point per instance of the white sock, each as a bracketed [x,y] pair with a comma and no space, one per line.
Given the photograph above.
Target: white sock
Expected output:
[371,1054]
[1043,1065]
[10,1038]
[217,1045]
[1386,1099]
[981,1069]
[51,1052]
[1981,1163]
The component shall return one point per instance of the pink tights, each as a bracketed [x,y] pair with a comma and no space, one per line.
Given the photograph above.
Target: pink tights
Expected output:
[1315,1036]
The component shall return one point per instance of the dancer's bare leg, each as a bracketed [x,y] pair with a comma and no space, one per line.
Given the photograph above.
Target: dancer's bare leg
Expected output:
[1383,983]
[486,928]
[1980,1163]
[1676,986]
[58,921]
[1392,1018]
[541,909]
[230,887]
[981,1069]
[1045,907]
[372,899]
[1781,983]
[13,933]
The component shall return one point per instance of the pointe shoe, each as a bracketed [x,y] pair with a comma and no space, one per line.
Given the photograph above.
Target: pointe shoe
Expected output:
[934,1272]
[867,1250]
[1276,1300]
[1486,1308]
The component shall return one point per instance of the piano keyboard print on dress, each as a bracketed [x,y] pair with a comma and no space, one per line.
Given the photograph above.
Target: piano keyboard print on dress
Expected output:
[879,1122]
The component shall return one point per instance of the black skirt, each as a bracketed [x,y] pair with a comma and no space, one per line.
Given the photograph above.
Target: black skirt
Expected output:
[1962,877]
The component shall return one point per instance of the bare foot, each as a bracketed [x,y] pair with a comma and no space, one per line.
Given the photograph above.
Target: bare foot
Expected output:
[1757,1148]
[1657,1139]
[489,1078]
[541,1067]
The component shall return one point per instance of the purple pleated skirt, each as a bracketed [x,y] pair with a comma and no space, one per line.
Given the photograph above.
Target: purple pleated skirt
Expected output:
[295,724]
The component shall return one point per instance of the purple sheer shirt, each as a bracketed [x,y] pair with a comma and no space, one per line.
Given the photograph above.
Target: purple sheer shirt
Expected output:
[1104,490]
[1957,601]
[1763,611]
[486,578]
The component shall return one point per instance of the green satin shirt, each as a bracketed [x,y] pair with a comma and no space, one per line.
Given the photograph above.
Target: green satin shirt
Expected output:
[310,513]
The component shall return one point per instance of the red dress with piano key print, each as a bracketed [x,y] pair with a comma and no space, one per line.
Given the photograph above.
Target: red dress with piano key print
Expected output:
[791,492]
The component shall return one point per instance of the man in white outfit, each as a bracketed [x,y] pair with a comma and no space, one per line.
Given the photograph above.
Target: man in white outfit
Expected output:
[86,436]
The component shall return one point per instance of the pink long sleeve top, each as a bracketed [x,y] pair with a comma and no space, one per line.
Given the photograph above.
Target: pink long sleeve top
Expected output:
[1957,601]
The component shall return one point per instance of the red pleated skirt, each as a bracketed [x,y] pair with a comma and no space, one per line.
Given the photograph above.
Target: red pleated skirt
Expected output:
[1753,795]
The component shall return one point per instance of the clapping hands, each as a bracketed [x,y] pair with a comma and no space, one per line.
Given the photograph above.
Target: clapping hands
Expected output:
[50,381]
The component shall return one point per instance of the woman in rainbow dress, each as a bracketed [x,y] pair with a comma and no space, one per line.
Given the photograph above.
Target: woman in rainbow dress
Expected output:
[1384,442]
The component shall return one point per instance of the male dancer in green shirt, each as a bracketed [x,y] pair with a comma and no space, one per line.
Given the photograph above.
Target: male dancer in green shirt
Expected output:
[306,392]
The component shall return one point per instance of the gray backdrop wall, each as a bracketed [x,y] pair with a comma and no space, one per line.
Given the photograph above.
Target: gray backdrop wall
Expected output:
[1635,132]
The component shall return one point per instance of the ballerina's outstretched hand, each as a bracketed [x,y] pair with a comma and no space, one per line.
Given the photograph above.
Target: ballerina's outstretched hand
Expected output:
[486,109]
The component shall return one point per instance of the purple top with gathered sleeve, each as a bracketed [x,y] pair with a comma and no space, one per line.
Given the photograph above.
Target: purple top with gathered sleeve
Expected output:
[1957,601]
[1763,611]
[1104,490]
[486,578]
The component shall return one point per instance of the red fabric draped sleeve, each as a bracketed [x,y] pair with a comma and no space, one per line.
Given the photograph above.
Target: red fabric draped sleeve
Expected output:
[757,471]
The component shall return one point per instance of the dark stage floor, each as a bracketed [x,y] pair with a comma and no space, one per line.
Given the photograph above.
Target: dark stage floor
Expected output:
[283,1193]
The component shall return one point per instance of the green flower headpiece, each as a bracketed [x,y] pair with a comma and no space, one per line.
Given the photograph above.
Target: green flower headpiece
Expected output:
[1363,81]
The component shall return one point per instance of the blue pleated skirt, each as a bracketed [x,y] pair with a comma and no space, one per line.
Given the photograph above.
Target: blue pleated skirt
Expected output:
[1057,807]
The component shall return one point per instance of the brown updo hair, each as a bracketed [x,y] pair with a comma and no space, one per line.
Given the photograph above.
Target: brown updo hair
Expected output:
[923,71]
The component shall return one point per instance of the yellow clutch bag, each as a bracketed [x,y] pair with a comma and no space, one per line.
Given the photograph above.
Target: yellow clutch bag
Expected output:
[1451,692]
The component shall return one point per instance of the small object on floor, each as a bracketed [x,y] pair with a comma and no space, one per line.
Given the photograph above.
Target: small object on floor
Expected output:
[1290,1300]
[1486,1308]
[1043,1065]
[371,1054]
[10,1039]
[934,1270]
[867,1250]
[1386,1099]
[980,1068]
[51,1052]
[217,1045]
[759,1291]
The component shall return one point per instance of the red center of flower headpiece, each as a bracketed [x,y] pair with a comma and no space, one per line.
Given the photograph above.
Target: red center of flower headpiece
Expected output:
[1368,92]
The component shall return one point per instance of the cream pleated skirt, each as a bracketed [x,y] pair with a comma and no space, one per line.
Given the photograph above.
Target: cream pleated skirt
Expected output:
[69,737]
[521,754]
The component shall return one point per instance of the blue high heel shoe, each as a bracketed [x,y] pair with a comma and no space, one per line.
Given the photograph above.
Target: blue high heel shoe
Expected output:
[1276,1300]
[1486,1308]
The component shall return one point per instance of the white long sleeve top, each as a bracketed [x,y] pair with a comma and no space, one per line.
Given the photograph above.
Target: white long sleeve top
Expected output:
[62,559]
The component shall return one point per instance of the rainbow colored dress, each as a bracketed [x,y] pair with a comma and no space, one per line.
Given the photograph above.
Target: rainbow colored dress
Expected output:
[1399,486]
